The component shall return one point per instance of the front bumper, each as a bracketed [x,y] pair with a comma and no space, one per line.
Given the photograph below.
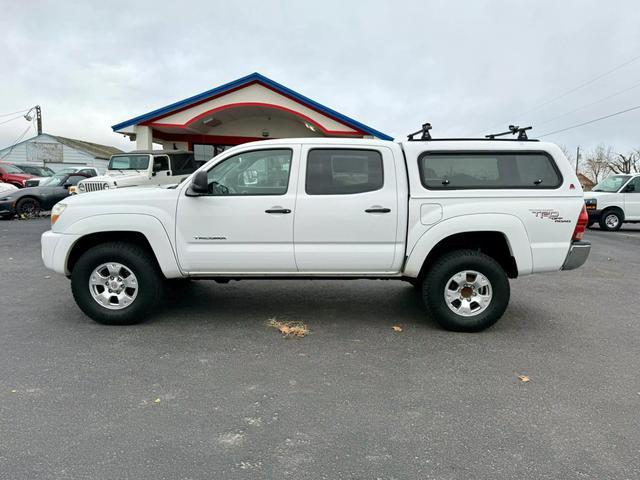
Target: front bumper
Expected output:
[578,254]
[7,208]
[594,215]
[55,248]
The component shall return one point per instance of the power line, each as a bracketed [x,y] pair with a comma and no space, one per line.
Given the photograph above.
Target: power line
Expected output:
[568,92]
[11,120]
[17,141]
[589,104]
[590,121]
[13,113]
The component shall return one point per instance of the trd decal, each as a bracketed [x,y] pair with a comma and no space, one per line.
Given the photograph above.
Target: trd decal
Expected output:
[551,214]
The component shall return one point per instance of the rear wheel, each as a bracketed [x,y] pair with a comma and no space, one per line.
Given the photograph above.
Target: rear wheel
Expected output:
[611,220]
[116,283]
[28,207]
[466,291]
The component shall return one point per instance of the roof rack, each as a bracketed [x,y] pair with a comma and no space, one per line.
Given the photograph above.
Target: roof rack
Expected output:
[513,129]
[425,135]
[424,131]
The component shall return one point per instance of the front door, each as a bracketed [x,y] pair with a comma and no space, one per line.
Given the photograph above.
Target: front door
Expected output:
[245,224]
[347,210]
[632,199]
[162,170]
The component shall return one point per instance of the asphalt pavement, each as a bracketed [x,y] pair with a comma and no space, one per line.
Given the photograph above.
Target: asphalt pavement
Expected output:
[207,390]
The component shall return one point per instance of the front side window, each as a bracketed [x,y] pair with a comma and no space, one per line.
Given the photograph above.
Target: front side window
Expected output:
[633,186]
[258,172]
[465,170]
[343,171]
[160,164]
[74,179]
[129,162]
[611,184]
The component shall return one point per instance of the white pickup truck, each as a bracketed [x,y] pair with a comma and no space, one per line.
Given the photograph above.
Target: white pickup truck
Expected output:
[457,218]
[142,168]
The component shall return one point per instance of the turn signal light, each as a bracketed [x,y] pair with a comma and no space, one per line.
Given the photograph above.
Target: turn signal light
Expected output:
[581,226]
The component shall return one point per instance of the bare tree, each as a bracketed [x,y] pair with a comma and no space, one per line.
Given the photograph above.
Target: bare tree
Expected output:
[629,163]
[597,162]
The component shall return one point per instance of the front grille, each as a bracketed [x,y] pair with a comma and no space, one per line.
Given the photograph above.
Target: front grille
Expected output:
[93,186]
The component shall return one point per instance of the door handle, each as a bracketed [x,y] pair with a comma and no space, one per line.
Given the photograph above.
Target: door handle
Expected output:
[378,210]
[278,210]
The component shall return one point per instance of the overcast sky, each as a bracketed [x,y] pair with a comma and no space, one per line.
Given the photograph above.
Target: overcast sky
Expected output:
[467,67]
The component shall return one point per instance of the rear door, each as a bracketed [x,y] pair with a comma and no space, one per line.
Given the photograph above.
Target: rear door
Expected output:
[346,210]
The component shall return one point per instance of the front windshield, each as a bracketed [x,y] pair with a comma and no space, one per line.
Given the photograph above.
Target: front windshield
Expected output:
[38,171]
[129,162]
[54,181]
[611,184]
[11,169]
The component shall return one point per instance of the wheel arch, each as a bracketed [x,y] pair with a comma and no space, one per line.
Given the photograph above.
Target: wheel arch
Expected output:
[615,208]
[501,236]
[144,230]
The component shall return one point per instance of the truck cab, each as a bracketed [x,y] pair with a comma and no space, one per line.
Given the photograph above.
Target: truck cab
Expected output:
[142,168]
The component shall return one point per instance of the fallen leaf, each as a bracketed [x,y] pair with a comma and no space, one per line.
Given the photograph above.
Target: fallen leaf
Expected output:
[157,400]
[288,328]
[524,378]
[397,328]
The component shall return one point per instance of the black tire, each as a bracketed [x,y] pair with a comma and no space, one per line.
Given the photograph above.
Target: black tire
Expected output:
[611,220]
[150,282]
[444,268]
[590,224]
[28,207]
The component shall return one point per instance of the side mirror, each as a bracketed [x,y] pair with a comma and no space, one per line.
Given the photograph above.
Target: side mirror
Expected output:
[199,184]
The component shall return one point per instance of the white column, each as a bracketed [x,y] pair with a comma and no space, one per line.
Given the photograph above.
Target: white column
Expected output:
[144,137]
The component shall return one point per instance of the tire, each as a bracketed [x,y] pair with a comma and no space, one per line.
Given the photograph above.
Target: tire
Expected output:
[135,297]
[473,269]
[590,224]
[28,207]
[611,220]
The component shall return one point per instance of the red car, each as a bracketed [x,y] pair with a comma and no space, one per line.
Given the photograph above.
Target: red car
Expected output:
[10,173]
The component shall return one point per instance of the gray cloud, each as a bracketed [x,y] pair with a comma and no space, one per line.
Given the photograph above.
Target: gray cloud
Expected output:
[464,66]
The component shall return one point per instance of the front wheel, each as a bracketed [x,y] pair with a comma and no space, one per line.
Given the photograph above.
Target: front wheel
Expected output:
[611,221]
[28,207]
[116,283]
[466,291]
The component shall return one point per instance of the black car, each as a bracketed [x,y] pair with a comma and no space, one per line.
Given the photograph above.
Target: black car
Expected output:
[30,201]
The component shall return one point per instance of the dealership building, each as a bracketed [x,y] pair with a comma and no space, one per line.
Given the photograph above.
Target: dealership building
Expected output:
[248,109]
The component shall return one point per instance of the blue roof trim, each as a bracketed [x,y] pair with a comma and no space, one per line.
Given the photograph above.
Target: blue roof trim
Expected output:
[245,80]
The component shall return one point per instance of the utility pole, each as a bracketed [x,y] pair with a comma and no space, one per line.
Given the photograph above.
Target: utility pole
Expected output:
[39,119]
[577,158]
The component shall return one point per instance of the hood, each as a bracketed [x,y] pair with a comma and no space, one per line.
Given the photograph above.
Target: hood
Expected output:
[125,179]
[123,196]
[602,195]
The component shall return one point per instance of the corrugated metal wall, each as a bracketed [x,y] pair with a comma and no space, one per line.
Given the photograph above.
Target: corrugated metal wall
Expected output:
[46,150]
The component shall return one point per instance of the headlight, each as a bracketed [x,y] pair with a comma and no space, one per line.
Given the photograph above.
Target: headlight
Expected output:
[56,211]
[591,203]
[81,187]
[105,186]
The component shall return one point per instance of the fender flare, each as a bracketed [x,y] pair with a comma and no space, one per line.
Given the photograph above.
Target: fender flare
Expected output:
[509,225]
[145,224]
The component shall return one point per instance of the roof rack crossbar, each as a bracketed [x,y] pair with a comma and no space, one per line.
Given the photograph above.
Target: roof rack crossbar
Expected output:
[424,131]
[513,129]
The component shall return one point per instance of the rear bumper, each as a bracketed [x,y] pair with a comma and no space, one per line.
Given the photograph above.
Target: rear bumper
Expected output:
[578,254]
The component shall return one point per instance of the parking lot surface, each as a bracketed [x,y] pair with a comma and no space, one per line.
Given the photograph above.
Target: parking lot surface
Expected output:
[206,390]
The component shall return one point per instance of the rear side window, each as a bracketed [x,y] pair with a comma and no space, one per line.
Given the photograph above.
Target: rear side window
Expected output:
[463,170]
[184,164]
[343,171]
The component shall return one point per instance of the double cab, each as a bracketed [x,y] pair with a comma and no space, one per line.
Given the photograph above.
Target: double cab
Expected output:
[455,218]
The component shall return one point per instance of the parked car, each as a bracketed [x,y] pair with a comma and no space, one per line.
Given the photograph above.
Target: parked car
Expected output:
[10,173]
[90,171]
[458,218]
[39,173]
[614,201]
[7,187]
[30,201]
[143,168]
